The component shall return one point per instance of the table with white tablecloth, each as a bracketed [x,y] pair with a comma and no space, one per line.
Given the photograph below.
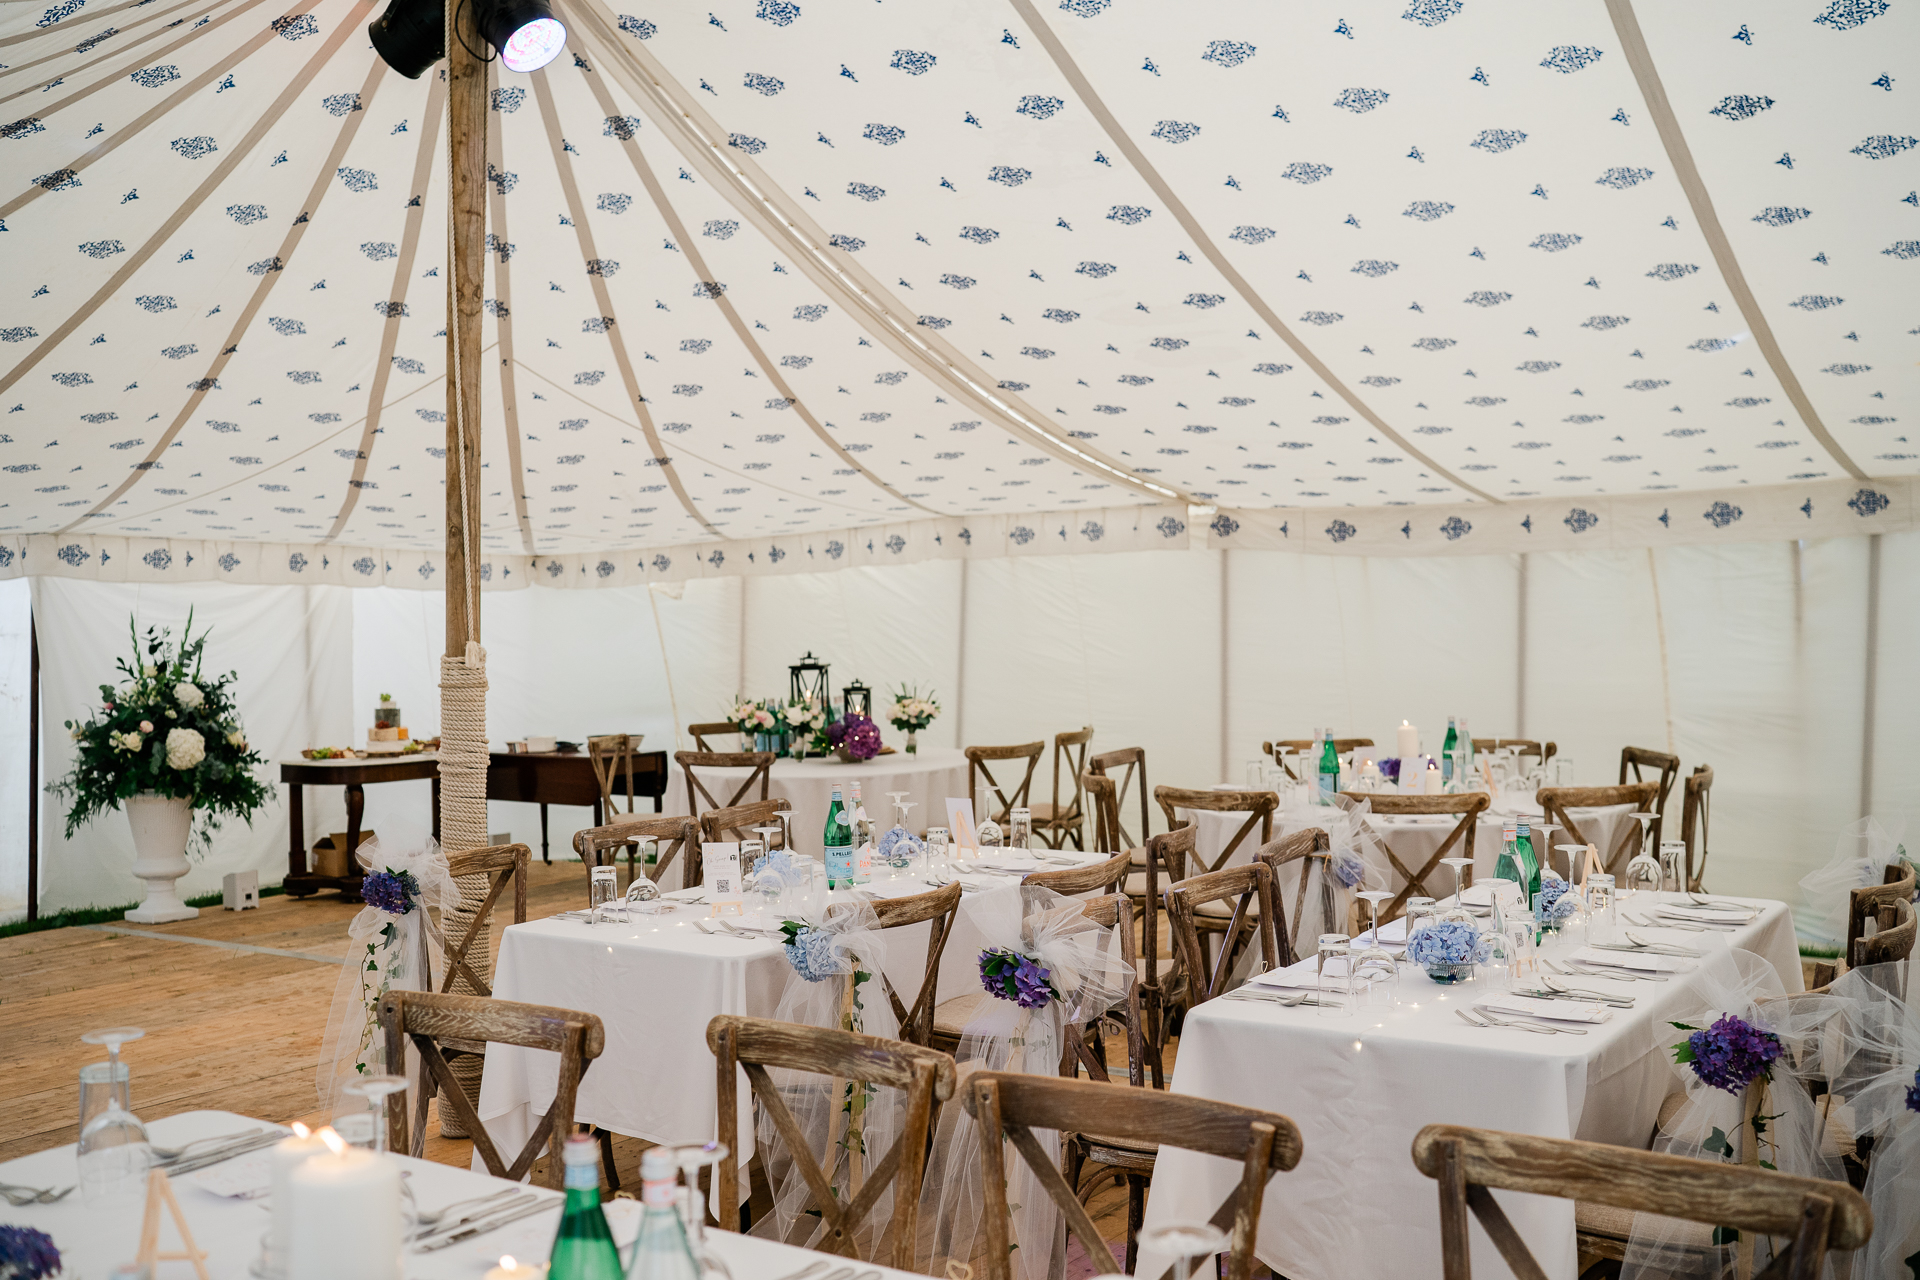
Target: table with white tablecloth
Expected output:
[93,1238]
[655,982]
[1359,1087]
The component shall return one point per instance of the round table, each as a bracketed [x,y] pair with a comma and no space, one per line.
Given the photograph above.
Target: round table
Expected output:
[928,778]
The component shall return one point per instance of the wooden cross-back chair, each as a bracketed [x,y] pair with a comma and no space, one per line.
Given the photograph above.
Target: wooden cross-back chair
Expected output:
[1259,806]
[1528,746]
[1893,941]
[1103,798]
[611,754]
[1815,1216]
[1866,904]
[1279,747]
[1131,765]
[1695,803]
[938,907]
[601,846]
[925,1075]
[1250,889]
[978,759]
[1308,846]
[436,1021]
[1554,803]
[737,821]
[1096,877]
[758,763]
[712,729]
[1057,820]
[1168,855]
[1666,768]
[1468,805]
[1012,1104]
[502,864]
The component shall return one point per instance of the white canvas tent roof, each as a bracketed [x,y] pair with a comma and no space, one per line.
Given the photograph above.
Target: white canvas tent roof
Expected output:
[957,280]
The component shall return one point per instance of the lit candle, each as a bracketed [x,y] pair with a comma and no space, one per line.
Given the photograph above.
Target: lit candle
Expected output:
[1433,781]
[288,1154]
[509,1269]
[1409,740]
[346,1215]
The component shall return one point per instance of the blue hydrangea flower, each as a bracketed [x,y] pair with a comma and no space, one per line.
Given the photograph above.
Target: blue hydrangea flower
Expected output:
[813,956]
[1448,942]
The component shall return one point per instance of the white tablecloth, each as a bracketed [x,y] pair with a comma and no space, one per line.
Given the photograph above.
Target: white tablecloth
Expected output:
[655,983]
[1360,1087]
[94,1239]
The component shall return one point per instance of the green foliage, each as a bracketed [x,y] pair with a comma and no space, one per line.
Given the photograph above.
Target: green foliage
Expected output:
[107,915]
[143,739]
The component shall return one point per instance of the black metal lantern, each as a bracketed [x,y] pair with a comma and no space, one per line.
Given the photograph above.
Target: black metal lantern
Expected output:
[857,700]
[810,682]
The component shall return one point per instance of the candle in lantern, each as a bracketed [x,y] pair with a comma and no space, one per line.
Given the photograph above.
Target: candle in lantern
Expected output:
[345,1215]
[287,1155]
[510,1269]
[1409,740]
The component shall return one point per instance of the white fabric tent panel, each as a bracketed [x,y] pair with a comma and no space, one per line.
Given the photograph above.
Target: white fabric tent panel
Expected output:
[15,614]
[1896,738]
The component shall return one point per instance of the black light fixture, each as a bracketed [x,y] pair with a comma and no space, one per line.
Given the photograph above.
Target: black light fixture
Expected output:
[412,34]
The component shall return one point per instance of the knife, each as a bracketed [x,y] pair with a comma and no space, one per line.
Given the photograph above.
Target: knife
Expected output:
[221,1154]
[516,1201]
[486,1224]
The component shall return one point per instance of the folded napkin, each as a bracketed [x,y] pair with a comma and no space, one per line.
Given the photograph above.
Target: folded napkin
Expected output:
[1546,1010]
[1302,976]
[1705,915]
[1646,961]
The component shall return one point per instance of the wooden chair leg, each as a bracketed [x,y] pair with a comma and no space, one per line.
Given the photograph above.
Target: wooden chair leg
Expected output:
[606,1158]
[1136,1216]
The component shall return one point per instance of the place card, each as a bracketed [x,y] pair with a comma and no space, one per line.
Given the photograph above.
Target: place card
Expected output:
[960,826]
[720,871]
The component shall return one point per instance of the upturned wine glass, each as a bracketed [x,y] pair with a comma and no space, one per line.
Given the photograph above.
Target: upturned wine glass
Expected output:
[1190,1243]
[113,1152]
[693,1208]
[1458,911]
[1372,963]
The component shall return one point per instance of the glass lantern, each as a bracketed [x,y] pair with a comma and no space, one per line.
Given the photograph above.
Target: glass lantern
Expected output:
[855,700]
[809,681]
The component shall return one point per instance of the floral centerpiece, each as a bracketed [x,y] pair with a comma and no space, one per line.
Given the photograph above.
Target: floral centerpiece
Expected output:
[1009,975]
[1447,949]
[806,721]
[27,1254]
[855,737]
[166,745]
[912,711]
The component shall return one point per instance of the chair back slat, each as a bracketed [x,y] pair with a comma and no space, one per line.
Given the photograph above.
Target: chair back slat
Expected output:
[600,846]
[1244,886]
[1308,847]
[1131,762]
[737,822]
[1893,941]
[1103,798]
[1468,805]
[1013,1104]
[925,1075]
[1556,801]
[1695,806]
[1815,1215]
[979,767]
[611,755]
[1259,806]
[502,864]
[1098,877]
[428,1018]
[1528,746]
[712,729]
[938,906]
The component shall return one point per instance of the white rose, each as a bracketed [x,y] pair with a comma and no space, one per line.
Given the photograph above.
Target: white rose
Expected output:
[127,741]
[237,739]
[185,748]
[188,695]
[146,726]
[150,670]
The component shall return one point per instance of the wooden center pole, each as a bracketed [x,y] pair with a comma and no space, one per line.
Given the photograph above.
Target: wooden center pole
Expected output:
[467,225]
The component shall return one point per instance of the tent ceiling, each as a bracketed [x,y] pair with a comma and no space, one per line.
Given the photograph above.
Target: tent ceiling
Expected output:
[776,266]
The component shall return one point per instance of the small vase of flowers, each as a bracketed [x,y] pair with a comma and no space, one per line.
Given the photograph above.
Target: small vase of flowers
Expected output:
[912,711]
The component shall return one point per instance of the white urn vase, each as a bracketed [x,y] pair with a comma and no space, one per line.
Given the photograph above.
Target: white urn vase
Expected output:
[160,825]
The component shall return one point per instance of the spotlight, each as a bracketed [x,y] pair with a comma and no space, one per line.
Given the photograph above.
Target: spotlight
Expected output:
[525,32]
[410,36]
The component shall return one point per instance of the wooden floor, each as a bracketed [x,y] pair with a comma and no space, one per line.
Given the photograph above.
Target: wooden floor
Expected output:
[227,1028]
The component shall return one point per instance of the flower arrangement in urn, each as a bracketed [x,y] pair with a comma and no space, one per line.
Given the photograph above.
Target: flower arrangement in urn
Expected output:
[166,744]
[912,711]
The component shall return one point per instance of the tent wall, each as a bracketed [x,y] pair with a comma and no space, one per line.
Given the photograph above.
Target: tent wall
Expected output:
[1751,657]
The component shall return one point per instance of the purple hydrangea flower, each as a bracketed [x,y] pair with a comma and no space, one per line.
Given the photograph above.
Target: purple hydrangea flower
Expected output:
[26,1254]
[1732,1053]
[1913,1093]
[861,737]
[836,733]
[1008,975]
[391,891]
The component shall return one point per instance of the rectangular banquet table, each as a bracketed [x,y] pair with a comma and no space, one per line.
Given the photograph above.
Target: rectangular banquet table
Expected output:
[93,1239]
[655,982]
[1360,1087]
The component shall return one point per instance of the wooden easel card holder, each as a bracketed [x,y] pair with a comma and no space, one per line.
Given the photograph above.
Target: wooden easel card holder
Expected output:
[159,1196]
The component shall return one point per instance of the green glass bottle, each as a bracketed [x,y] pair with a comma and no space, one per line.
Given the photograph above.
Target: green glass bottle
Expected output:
[661,1252]
[1529,863]
[1447,749]
[1507,866]
[838,843]
[1329,769]
[583,1249]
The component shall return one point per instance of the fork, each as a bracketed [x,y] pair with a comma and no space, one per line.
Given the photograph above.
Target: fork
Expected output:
[18,1196]
[428,1219]
[1661,948]
[1716,904]
[1584,993]
[1284,1001]
[1481,1020]
[165,1154]
[1500,1020]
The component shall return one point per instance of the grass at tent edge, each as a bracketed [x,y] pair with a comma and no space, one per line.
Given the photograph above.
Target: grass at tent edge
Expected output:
[109,915]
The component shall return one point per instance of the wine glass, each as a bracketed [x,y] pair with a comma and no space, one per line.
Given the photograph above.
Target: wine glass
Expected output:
[374,1090]
[113,1152]
[1458,911]
[693,1208]
[1190,1242]
[1373,964]
[1643,872]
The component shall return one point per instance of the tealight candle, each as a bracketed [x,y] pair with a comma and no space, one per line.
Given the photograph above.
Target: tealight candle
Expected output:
[509,1269]
[345,1215]
[288,1154]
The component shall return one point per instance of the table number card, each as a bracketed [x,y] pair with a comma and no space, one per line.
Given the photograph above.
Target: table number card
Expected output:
[960,825]
[720,869]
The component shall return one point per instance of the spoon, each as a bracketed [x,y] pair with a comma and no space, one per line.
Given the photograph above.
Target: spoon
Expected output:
[164,1154]
[430,1218]
[1662,948]
[1481,1020]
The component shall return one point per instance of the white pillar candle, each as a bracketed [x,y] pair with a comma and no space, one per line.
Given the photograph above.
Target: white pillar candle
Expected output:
[1433,781]
[288,1154]
[346,1215]
[509,1269]
[1409,740]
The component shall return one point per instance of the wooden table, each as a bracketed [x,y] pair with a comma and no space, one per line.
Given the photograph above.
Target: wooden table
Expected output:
[544,778]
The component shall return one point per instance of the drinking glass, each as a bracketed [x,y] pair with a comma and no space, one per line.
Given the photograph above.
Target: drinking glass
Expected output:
[693,1205]
[1336,950]
[1458,911]
[113,1153]
[1673,856]
[938,864]
[602,892]
[1562,771]
[1373,965]
[1191,1243]
[1603,908]
[1523,957]
[1256,774]
[1020,828]
[374,1091]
